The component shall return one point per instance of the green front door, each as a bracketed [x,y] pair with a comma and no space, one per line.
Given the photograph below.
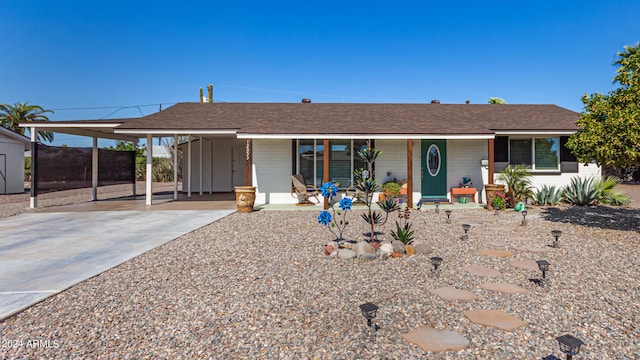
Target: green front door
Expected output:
[434,170]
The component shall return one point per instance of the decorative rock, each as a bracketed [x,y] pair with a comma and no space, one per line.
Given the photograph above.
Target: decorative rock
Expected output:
[363,248]
[495,253]
[386,248]
[423,249]
[367,256]
[453,294]
[328,249]
[409,250]
[524,264]
[398,246]
[481,271]
[430,339]
[382,255]
[504,288]
[346,254]
[498,319]
[396,255]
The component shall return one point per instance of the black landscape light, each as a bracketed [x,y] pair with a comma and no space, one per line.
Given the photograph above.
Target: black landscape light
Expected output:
[448,212]
[556,234]
[524,218]
[369,312]
[543,265]
[466,228]
[436,261]
[570,345]
[437,203]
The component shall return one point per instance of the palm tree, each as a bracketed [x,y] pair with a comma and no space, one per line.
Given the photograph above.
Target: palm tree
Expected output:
[12,115]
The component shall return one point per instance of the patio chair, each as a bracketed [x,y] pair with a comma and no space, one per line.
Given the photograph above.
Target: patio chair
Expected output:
[302,191]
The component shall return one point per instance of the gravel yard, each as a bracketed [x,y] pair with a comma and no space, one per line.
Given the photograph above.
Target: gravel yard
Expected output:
[258,286]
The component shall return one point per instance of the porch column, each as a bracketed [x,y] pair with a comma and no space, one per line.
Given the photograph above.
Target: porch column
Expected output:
[409,173]
[491,160]
[200,164]
[33,201]
[149,171]
[248,159]
[188,166]
[94,170]
[134,146]
[325,171]
[175,166]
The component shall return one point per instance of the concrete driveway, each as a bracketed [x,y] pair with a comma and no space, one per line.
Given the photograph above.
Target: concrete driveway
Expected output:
[42,254]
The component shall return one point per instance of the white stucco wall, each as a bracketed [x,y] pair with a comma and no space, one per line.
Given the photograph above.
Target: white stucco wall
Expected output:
[392,163]
[217,164]
[11,166]
[272,171]
[464,160]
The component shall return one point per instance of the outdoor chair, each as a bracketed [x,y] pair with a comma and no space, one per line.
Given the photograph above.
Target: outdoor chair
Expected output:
[302,191]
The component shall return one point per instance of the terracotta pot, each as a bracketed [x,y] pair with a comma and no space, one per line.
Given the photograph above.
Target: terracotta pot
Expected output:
[245,198]
[491,190]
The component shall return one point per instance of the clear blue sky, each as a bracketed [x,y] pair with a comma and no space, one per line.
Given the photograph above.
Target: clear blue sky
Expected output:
[113,54]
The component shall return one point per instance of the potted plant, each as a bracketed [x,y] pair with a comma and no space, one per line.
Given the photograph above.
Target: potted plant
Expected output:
[391,190]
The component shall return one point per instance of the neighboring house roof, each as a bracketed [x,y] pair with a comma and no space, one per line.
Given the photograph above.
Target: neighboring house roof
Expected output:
[300,120]
[4,132]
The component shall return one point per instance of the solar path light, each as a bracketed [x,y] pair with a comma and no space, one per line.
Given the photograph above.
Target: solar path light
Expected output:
[437,203]
[556,234]
[436,261]
[466,228]
[524,218]
[543,265]
[448,212]
[369,312]
[570,345]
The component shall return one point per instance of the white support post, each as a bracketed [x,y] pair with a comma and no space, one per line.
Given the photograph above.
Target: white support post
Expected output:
[201,160]
[211,166]
[188,166]
[175,166]
[149,171]
[94,170]
[134,146]
[33,200]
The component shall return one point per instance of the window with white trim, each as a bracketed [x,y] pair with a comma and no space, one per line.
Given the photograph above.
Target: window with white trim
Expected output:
[536,153]
[343,160]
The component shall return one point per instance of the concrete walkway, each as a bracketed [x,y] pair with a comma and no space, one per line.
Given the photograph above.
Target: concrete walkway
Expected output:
[42,254]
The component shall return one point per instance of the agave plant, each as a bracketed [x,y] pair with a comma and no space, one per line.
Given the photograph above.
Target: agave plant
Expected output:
[547,195]
[518,181]
[581,192]
[608,194]
[403,230]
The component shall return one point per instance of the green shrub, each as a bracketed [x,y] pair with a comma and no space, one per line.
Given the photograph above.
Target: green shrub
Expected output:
[608,194]
[547,195]
[518,181]
[581,192]
[391,188]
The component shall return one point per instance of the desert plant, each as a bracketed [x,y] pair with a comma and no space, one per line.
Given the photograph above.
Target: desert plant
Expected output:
[547,195]
[499,202]
[518,181]
[581,192]
[403,230]
[608,194]
[366,184]
[391,189]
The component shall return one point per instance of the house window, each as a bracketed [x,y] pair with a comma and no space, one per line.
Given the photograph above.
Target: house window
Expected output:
[535,153]
[343,160]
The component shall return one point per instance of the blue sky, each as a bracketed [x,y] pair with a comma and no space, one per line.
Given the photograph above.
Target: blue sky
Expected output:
[112,59]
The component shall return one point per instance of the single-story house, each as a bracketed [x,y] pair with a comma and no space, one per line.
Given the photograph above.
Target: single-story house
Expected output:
[12,148]
[430,146]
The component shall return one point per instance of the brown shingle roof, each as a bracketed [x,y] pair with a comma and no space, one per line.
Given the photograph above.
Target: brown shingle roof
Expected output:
[365,119]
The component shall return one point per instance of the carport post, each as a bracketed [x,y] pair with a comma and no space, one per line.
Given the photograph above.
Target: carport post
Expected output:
[149,171]
[94,170]
[33,201]
[134,146]
[175,166]
[188,166]
[200,170]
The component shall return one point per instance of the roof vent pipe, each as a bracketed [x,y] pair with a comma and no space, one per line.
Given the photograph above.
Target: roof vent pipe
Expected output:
[435,101]
[467,102]
[306,101]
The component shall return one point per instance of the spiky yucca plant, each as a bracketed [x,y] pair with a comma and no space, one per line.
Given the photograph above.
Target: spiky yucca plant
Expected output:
[547,195]
[581,192]
[608,194]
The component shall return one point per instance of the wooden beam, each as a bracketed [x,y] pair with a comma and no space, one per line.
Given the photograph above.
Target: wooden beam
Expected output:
[247,162]
[410,173]
[325,171]
[491,160]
